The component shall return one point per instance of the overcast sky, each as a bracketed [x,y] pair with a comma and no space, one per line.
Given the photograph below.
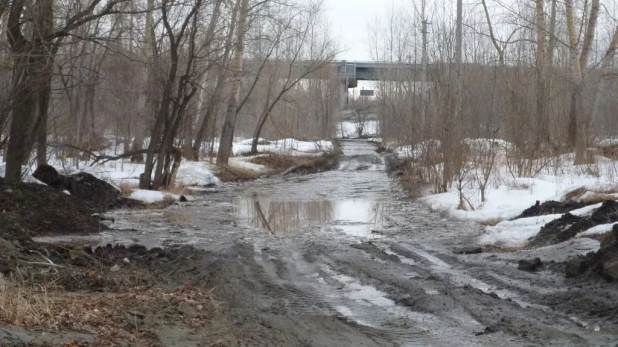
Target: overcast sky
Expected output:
[349,20]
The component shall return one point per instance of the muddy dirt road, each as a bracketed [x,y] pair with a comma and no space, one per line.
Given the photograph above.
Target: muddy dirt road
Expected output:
[342,258]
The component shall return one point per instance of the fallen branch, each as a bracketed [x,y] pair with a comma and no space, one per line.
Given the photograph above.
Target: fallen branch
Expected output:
[100,158]
[43,263]
[49,262]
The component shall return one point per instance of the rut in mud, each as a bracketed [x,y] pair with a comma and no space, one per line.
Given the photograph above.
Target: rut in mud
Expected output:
[342,258]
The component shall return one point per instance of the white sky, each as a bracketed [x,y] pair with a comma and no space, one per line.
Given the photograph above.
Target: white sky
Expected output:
[349,20]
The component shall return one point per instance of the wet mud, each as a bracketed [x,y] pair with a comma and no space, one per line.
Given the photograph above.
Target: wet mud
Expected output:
[345,258]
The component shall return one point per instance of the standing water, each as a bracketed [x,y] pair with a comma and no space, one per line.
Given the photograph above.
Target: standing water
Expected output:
[351,199]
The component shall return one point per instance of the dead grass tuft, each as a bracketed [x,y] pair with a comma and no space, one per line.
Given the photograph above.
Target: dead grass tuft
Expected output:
[597,198]
[108,316]
[280,162]
[596,195]
[23,305]
[177,190]
[575,194]
[490,222]
[168,200]
[126,190]
[234,173]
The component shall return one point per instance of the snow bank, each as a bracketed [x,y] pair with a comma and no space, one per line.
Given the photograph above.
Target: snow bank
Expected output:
[515,233]
[503,202]
[150,196]
[597,230]
[285,146]
[125,173]
[195,173]
[245,163]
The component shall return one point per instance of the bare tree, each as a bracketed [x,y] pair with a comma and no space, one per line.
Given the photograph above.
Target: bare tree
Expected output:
[227,133]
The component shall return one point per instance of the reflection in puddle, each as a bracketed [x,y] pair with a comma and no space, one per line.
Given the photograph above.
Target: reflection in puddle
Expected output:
[355,217]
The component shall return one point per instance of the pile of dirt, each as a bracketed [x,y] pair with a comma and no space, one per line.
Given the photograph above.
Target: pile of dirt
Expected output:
[567,226]
[603,262]
[91,190]
[28,210]
[550,207]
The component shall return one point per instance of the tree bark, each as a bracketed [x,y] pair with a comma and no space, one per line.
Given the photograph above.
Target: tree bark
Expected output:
[227,132]
[577,134]
[541,98]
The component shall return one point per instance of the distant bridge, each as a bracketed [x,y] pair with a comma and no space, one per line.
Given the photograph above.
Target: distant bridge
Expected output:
[349,73]
[352,72]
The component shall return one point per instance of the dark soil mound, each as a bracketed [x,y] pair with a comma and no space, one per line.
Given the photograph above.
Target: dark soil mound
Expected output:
[603,262]
[28,210]
[91,190]
[567,226]
[550,207]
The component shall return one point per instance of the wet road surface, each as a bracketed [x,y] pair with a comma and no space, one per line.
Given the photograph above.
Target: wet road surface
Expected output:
[342,258]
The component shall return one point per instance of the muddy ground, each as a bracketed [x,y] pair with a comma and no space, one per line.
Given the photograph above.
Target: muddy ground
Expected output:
[337,258]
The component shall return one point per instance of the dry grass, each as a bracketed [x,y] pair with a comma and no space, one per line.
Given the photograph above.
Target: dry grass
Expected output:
[597,198]
[234,173]
[177,190]
[490,222]
[22,305]
[126,190]
[103,315]
[168,200]
[280,162]
[575,194]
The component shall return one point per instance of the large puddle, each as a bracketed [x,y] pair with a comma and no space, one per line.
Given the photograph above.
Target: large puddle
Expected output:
[354,217]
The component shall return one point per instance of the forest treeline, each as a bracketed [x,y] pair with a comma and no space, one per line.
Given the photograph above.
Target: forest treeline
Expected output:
[166,79]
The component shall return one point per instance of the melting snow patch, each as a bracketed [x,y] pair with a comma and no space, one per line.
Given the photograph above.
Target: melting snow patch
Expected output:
[596,230]
[515,233]
[586,211]
[149,196]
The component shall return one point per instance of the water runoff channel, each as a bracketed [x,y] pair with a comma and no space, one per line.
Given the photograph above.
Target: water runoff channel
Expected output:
[347,243]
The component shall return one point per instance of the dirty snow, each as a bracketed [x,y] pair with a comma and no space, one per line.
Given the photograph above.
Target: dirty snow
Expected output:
[597,230]
[245,163]
[517,232]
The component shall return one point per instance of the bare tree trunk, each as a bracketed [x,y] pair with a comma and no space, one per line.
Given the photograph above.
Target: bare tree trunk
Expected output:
[604,74]
[227,132]
[30,77]
[577,118]
[541,135]
[459,33]
[147,99]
